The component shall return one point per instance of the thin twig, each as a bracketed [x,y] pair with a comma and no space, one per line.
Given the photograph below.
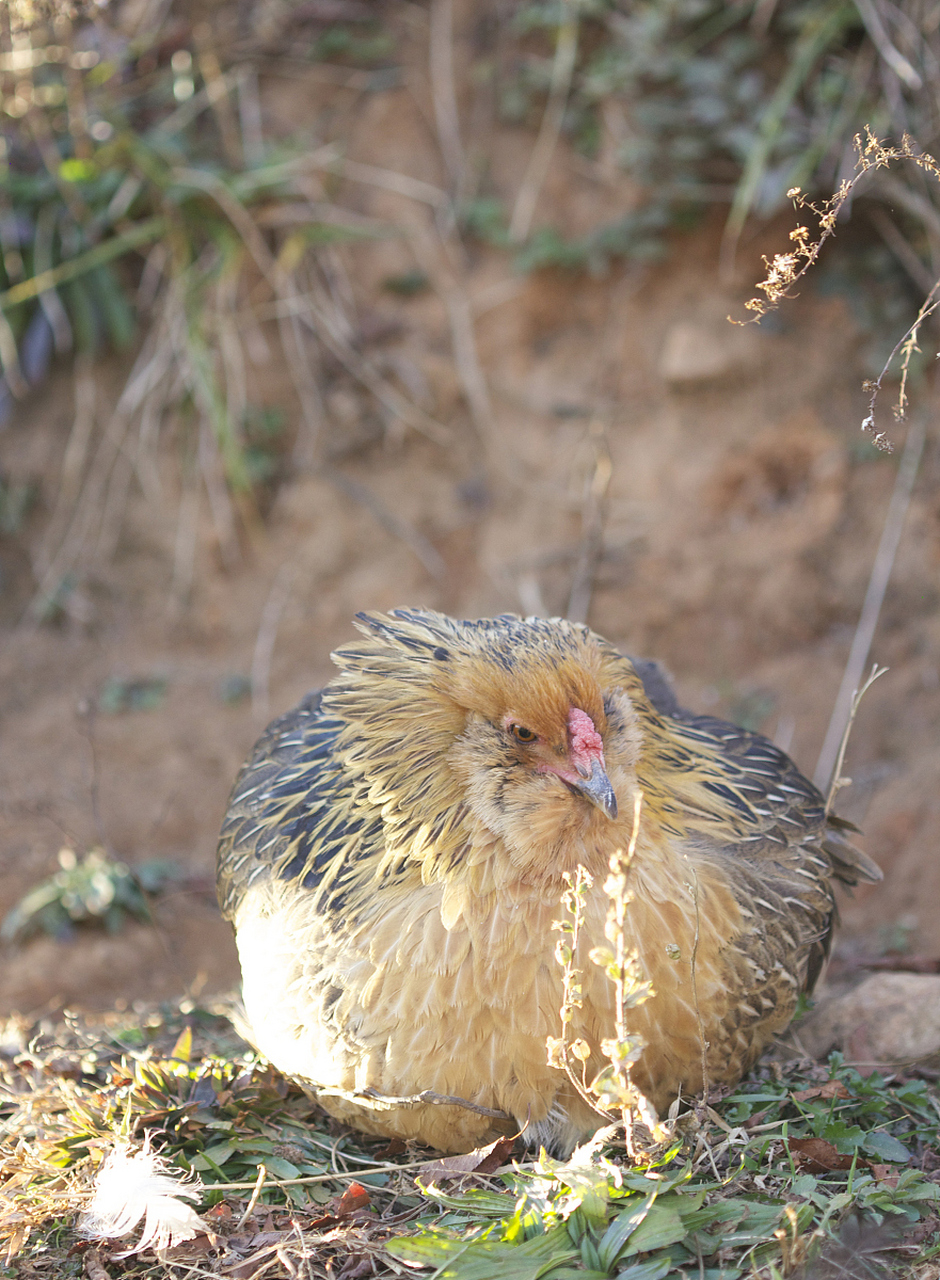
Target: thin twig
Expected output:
[900,246]
[444,95]
[271,616]
[592,527]
[50,301]
[303,375]
[560,1048]
[467,360]
[402,184]
[316,314]
[212,465]
[73,461]
[9,358]
[906,345]
[255,1194]
[882,41]
[837,781]
[184,545]
[429,556]
[874,597]
[566,50]
[151,365]
[249,117]
[313,1178]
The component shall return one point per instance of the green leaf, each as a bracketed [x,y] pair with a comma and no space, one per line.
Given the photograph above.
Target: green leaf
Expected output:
[486,1204]
[846,1138]
[662,1225]
[118,316]
[76,170]
[620,1230]
[486,1259]
[805,1185]
[140,233]
[652,1269]
[82,312]
[213,1157]
[886,1147]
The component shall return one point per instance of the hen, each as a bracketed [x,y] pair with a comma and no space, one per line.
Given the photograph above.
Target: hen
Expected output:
[392,863]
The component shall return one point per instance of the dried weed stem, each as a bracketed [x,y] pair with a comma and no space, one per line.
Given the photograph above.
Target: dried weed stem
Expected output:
[784,270]
[612,1089]
[827,768]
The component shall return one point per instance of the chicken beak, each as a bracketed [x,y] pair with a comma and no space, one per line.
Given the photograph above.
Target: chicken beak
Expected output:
[598,790]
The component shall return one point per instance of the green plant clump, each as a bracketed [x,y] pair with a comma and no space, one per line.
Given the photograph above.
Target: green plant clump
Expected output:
[93,890]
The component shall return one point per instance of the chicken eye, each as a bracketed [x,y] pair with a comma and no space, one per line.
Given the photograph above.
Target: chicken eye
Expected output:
[522,734]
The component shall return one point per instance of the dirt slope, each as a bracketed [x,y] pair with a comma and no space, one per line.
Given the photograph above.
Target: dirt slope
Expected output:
[736,534]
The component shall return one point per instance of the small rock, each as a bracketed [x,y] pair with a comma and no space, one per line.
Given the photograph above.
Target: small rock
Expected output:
[889,1019]
[694,353]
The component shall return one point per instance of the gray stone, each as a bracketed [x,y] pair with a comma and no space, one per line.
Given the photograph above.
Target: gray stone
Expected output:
[889,1019]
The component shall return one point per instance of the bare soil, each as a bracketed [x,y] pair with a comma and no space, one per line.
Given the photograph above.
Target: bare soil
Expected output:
[738,531]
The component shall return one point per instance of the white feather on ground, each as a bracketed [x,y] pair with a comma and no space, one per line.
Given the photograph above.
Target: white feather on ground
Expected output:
[135,1185]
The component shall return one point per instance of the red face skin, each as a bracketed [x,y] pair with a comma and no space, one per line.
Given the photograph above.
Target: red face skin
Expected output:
[587,747]
[585,770]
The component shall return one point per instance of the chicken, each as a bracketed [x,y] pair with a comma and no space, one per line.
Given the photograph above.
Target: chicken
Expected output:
[393,859]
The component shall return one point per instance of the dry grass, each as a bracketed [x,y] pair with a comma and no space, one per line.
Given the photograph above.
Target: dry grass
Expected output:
[752,1185]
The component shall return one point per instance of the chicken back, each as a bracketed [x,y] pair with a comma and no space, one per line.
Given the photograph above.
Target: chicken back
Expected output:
[393,862]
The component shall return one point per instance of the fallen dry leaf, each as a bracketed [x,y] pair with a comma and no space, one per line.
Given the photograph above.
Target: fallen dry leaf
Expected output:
[831,1089]
[480,1160]
[356,1267]
[354,1198]
[816,1155]
[886,1173]
[92,1266]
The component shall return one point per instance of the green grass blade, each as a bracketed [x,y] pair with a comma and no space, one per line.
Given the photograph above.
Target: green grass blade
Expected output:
[821,31]
[144,232]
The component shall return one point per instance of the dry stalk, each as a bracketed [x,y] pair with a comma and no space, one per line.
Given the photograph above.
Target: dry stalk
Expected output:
[826,768]
[440,255]
[92,505]
[184,547]
[560,1048]
[593,512]
[784,270]
[50,301]
[303,375]
[900,246]
[10,360]
[220,498]
[443,92]
[467,360]
[566,51]
[612,1088]
[402,184]
[425,551]
[376,1101]
[74,461]
[837,781]
[255,1195]
[907,345]
[693,970]
[318,313]
[271,616]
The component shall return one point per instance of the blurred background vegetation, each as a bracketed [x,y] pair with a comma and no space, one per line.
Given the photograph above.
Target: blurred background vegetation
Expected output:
[142,206]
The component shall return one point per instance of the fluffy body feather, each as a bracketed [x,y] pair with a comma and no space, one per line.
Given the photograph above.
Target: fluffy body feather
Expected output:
[392,863]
